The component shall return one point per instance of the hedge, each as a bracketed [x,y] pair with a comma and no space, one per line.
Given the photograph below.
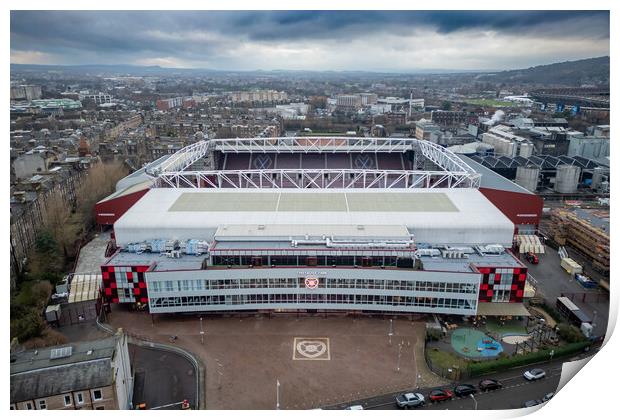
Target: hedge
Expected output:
[480,368]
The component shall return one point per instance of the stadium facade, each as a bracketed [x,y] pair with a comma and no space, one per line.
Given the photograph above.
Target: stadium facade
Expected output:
[318,224]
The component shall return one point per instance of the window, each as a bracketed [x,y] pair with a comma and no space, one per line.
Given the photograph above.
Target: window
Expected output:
[29,406]
[42,405]
[67,400]
[97,395]
[80,398]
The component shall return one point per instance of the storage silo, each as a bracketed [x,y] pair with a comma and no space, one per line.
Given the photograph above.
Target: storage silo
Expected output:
[598,176]
[527,177]
[526,150]
[567,179]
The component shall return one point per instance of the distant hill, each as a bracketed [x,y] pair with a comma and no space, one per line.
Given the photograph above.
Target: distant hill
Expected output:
[108,69]
[574,73]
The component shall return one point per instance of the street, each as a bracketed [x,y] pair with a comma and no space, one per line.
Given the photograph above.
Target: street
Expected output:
[516,391]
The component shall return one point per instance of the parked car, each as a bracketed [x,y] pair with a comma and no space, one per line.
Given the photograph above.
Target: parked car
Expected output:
[464,390]
[354,407]
[409,400]
[531,403]
[534,374]
[439,395]
[489,384]
[548,396]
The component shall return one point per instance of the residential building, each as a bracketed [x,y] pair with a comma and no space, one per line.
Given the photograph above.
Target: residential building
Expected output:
[89,375]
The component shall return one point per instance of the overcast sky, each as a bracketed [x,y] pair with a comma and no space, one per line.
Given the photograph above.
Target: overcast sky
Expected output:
[300,40]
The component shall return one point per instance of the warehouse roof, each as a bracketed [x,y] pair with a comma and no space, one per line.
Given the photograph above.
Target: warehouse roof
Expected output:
[493,180]
[434,216]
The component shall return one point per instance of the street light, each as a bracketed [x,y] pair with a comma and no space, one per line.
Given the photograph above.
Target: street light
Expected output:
[202,333]
[400,346]
[277,394]
[475,401]
[390,333]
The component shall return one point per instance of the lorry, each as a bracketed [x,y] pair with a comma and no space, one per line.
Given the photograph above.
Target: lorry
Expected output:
[572,312]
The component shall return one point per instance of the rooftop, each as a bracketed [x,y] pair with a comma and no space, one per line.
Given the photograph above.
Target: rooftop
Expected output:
[442,216]
[60,369]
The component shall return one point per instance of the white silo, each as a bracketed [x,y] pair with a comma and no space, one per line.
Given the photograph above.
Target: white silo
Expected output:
[598,176]
[567,179]
[527,177]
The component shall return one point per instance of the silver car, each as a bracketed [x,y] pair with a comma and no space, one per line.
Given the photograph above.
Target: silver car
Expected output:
[534,374]
[410,399]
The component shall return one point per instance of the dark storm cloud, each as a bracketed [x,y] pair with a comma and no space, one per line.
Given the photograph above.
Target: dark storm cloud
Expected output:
[206,36]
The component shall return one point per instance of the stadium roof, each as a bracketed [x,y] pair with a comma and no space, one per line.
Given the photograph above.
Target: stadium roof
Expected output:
[441,215]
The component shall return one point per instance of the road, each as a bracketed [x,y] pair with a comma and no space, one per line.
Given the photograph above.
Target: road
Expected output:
[515,392]
[162,377]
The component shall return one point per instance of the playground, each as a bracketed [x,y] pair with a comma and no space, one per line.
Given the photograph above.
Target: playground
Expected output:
[474,344]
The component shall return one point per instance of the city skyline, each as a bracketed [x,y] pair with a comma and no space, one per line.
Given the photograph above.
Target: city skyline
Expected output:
[410,41]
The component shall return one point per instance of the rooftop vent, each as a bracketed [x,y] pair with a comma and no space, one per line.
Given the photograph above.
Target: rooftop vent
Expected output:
[60,353]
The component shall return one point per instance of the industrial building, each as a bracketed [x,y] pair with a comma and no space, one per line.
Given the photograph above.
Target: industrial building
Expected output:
[318,224]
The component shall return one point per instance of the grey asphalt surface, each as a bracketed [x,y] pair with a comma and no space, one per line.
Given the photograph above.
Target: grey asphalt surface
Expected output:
[553,280]
[161,377]
[515,392]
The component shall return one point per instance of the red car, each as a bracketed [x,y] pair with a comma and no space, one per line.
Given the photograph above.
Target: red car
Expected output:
[440,395]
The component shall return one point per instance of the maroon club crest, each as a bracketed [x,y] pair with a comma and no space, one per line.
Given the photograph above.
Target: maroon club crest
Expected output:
[312,282]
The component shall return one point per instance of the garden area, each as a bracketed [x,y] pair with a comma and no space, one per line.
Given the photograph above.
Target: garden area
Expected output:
[480,345]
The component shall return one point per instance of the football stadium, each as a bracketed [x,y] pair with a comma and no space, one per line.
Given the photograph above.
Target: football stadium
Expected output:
[319,225]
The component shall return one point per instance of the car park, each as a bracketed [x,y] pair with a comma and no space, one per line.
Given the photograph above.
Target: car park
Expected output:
[464,389]
[489,384]
[409,400]
[534,374]
[439,394]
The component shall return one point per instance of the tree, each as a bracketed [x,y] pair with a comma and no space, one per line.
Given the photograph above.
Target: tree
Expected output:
[60,222]
[29,325]
[46,261]
[446,105]
[99,183]
[570,333]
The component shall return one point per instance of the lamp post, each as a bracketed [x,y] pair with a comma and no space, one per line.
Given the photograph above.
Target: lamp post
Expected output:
[390,333]
[202,333]
[277,394]
[475,401]
[400,346]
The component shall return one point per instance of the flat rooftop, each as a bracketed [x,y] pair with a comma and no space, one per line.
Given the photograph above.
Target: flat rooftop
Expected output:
[463,264]
[194,262]
[161,260]
[442,215]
